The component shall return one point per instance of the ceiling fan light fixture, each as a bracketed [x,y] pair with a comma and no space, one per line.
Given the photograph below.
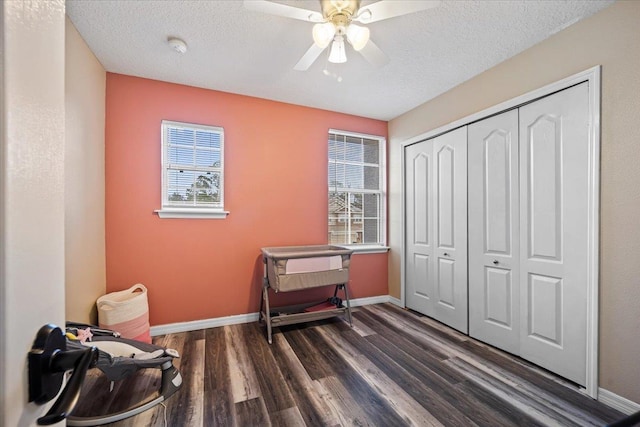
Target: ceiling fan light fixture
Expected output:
[358,36]
[323,34]
[338,54]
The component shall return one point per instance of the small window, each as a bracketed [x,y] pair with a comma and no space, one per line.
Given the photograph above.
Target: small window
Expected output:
[356,189]
[192,171]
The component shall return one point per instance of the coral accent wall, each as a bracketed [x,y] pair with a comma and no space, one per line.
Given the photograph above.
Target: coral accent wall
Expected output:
[275,190]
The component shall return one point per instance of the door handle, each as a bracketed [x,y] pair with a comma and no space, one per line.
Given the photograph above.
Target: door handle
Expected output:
[446,254]
[495,262]
[48,360]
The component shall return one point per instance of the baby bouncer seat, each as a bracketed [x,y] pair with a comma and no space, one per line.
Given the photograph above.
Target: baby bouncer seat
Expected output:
[119,358]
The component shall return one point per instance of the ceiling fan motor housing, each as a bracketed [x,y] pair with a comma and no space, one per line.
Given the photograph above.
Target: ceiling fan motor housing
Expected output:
[339,12]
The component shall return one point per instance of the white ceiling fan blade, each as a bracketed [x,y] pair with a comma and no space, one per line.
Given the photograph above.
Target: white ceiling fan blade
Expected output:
[374,55]
[283,10]
[308,58]
[385,9]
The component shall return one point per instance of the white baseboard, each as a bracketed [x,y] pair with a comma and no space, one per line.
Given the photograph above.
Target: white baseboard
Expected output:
[243,318]
[369,300]
[620,403]
[203,324]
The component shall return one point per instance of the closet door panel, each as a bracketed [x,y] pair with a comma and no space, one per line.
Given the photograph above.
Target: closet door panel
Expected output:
[446,283]
[494,315]
[554,143]
[418,241]
[497,167]
[498,301]
[544,187]
[450,228]
[545,310]
[421,272]
[445,194]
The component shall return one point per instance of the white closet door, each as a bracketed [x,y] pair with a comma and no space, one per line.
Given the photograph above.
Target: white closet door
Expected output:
[450,229]
[436,228]
[494,292]
[554,162]
[419,279]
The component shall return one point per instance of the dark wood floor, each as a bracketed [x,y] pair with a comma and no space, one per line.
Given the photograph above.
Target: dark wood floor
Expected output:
[392,368]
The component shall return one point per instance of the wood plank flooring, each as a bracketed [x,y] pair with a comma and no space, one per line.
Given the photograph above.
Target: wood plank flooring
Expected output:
[393,368]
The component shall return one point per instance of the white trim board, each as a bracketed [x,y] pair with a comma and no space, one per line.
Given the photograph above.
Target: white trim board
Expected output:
[620,403]
[592,76]
[195,325]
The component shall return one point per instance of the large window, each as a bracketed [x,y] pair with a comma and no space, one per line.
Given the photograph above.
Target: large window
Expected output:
[192,170]
[356,189]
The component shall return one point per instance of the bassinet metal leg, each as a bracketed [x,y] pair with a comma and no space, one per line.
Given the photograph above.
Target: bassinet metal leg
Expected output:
[261,317]
[267,313]
[346,297]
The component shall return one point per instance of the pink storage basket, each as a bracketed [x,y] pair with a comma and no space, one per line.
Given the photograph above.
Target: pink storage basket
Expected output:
[126,312]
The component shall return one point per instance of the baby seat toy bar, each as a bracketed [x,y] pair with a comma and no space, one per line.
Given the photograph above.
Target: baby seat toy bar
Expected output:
[296,268]
[53,354]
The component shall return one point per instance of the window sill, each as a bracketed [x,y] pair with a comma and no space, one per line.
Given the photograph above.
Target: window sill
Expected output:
[367,249]
[191,213]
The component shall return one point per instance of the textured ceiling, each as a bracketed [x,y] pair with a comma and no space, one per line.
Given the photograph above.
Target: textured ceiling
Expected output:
[236,50]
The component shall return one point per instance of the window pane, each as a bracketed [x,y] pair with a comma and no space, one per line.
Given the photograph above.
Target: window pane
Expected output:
[353,176]
[339,176]
[178,185]
[371,178]
[334,150]
[181,136]
[336,147]
[371,151]
[331,175]
[355,205]
[205,189]
[337,214]
[370,208]
[180,155]
[338,234]
[207,140]
[337,204]
[207,158]
[371,231]
[353,149]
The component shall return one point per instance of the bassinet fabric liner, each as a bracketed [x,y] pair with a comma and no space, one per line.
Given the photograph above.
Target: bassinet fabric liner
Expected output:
[329,272]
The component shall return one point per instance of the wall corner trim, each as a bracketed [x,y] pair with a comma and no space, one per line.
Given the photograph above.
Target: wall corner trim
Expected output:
[396,301]
[245,318]
[615,401]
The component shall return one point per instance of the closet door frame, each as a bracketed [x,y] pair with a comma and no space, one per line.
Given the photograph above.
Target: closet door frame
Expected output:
[592,76]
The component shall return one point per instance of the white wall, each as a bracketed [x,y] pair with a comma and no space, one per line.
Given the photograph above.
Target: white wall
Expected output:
[85,270]
[610,38]
[32,194]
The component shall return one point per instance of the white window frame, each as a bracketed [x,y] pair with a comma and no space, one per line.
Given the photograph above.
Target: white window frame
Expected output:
[380,246]
[169,210]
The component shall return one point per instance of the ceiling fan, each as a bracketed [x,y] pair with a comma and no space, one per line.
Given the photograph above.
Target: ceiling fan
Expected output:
[335,24]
